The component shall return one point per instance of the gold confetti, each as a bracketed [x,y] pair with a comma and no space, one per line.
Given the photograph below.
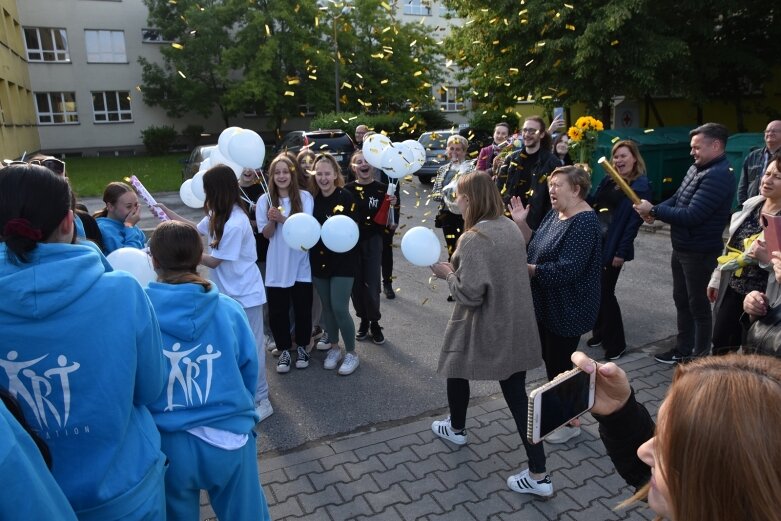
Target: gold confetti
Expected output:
[648,130]
[615,139]
[338,208]
[569,6]
[182,74]
[268,30]
[383,82]
[294,81]
[529,62]
[418,73]
[177,45]
[312,77]
[570,27]
[289,93]
[614,43]
[412,44]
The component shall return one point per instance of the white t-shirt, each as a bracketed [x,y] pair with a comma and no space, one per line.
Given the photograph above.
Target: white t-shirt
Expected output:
[237,275]
[284,265]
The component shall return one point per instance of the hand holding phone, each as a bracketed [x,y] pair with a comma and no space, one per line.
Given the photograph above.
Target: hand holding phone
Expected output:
[558,402]
[772,226]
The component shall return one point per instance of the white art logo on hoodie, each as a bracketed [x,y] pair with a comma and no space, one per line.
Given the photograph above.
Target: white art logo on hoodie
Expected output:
[188,369]
[45,390]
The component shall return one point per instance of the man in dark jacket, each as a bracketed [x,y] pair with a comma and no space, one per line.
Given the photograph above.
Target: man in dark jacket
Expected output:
[697,213]
[756,162]
[525,172]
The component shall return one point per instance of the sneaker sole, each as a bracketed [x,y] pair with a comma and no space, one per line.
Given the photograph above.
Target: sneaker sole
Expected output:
[323,347]
[378,342]
[362,337]
[665,361]
[343,373]
[282,369]
[615,357]
[451,440]
[530,491]
[300,365]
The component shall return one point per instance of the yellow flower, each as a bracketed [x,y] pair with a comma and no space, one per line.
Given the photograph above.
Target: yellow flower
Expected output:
[600,126]
[582,122]
[575,134]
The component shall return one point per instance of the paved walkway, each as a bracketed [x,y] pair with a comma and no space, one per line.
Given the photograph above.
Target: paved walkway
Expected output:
[402,471]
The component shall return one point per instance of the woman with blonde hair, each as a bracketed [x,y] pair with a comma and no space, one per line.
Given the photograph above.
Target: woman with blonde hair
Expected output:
[714,455]
[619,225]
[493,310]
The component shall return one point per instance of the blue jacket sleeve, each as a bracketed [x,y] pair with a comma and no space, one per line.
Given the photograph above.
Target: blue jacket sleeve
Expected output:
[625,242]
[150,370]
[708,197]
[572,261]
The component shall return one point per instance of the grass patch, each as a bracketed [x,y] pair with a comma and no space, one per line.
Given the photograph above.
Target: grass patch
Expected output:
[90,175]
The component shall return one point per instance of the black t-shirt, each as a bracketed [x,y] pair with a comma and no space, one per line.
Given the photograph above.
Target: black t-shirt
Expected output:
[368,199]
[324,262]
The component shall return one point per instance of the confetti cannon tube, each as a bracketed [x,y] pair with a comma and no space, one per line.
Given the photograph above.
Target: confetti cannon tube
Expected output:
[144,194]
[619,180]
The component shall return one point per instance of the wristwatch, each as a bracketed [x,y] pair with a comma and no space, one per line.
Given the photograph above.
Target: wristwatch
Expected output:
[652,212]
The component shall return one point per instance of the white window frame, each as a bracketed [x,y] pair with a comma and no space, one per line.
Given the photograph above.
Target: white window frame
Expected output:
[417,7]
[105,46]
[451,103]
[56,54]
[104,115]
[61,101]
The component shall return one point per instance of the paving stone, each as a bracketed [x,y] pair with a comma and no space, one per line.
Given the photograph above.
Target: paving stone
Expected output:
[420,487]
[404,441]
[584,495]
[426,466]
[328,496]
[613,483]
[460,513]
[282,491]
[417,509]
[429,447]
[457,495]
[486,486]
[389,514]
[371,450]
[488,506]
[491,417]
[583,473]
[363,439]
[494,404]
[459,457]
[294,458]
[488,448]
[333,460]
[350,509]
[321,514]
[595,510]
[308,467]
[397,474]
[489,466]
[285,509]
[356,488]
[450,478]
[273,476]
[393,495]
[323,479]
[489,431]
[356,470]
[403,455]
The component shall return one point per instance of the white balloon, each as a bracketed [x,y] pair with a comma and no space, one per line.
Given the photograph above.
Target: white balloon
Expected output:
[397,160]
[420,246]
[197,186]
[247,149]
[418,150]
[187,196]
[205,164]
[224,140]
[301,231]
[373,147]
[217,158]
[206,152]
[134,261]
[339,233]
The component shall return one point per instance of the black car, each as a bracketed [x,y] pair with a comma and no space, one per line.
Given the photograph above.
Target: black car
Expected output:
[435,143]
[336,142]
[193,163]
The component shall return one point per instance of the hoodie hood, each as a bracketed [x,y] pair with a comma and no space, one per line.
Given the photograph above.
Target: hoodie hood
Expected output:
[183,310]
[56,276]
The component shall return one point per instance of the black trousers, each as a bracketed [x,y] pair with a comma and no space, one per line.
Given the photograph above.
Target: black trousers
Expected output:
[691,274]
[279,301]
[514,391]
[387,255]
[556,351]
[366,286]
[727,329]
[610,326]
[452,227]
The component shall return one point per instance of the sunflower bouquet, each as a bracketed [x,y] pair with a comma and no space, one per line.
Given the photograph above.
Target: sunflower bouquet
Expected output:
[583,136]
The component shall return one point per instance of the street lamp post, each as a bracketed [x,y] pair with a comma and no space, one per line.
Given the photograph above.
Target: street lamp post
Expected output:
[337,10]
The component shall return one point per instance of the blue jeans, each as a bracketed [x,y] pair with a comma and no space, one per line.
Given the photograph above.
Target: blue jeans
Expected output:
[691,274]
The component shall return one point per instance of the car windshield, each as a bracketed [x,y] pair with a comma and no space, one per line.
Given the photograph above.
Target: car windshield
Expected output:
[320,143]
[435,140]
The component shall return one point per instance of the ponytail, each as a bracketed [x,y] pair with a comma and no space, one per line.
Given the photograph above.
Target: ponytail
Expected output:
[177,249]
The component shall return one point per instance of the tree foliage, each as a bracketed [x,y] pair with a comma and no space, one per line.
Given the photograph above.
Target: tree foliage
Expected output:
[588,51]
[277,58]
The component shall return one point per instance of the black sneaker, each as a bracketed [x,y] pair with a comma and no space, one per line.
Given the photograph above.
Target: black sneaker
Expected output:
[363,330]
[669,357]
[593,342]
[389,293]
[615,356]
[377,336]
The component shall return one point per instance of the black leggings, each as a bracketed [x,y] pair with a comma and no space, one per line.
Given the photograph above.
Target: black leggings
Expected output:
[514,391]
[279,300]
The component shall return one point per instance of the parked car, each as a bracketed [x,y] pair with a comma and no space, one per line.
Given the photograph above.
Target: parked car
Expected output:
[435,143]
[336,142]
[193,163]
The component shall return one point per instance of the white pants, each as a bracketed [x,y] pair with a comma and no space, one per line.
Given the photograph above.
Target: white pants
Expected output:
[255,317]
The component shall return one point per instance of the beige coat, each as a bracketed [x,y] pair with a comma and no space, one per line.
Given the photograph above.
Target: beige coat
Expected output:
[492,333]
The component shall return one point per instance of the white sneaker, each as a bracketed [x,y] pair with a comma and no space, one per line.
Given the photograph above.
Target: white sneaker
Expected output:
[263,409]
[525,484]
[333,358]
[443,429]
[283,364]
[349,365]
[324,344]
[563,434]
[302,358]
[269,341]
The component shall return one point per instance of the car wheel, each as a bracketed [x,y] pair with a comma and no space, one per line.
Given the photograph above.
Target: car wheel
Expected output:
[426,179]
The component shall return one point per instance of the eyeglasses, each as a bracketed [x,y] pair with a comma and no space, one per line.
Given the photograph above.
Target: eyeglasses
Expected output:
[530,130]
[53,164]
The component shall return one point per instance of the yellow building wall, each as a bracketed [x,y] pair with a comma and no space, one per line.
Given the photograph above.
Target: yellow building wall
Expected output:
[18,130]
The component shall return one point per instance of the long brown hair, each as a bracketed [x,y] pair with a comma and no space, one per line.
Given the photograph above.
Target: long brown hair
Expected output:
[485,203]
[639,168]
[718,439]
[293,191]
[222,194]
[111,195]
[177,249]
[328,158]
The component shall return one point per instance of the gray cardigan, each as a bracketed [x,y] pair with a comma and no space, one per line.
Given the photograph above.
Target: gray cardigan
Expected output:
[492,333]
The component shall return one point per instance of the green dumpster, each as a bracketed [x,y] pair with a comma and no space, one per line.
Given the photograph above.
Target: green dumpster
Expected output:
[738,147]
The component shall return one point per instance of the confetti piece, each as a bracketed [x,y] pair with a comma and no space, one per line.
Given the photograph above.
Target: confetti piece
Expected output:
[177,46]
[383,82]
[569,27]
[615,139]
[529,62]
[648,130]
[289,93]
[294,81]
[614,43]
[424,301]
[569,6]
[268,30]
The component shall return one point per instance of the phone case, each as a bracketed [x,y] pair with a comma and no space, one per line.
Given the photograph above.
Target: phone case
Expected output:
[541,389]
[772,225]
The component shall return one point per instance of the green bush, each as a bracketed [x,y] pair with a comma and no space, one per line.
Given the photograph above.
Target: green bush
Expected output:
[487,121]
[435,119]
[398,125]
[158,140]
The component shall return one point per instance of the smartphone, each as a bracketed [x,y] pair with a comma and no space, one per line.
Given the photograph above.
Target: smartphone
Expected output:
[558,402]
[772,226]
[558,112]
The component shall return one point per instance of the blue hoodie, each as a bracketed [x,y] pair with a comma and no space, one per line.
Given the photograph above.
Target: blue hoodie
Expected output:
[211,360]
[27,489]
[81,351]
[116,235]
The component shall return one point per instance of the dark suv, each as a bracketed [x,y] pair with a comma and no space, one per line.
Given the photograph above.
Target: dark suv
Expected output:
[435,143]
[335,142]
